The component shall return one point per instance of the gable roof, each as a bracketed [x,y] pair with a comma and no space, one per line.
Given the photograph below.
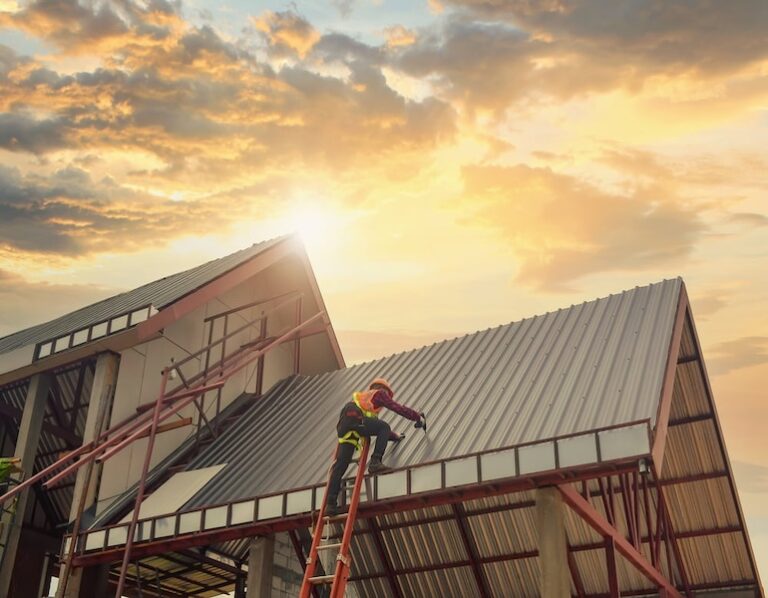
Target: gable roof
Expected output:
[579,370]
[158,294]
[590,366]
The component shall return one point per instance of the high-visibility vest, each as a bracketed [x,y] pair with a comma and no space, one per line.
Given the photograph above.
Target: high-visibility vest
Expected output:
[364,401]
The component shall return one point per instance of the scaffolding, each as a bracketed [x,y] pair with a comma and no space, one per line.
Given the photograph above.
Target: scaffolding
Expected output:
[221,363]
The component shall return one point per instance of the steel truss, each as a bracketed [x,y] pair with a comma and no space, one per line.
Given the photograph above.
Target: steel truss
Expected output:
[626,507]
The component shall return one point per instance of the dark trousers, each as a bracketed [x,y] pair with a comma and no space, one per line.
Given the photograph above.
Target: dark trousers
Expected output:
[371,426]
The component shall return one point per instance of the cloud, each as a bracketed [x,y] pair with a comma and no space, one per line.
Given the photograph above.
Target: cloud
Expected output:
[707,303]
[28,303]
[657,36]
[398,36]
[744,352]
[19,132]
[480,65]
[561,228]
[287,33]
[749,219]
[81,27]
[365,345]
[197,100]
[750,477]
[495,55]
[68,213]
[700,169]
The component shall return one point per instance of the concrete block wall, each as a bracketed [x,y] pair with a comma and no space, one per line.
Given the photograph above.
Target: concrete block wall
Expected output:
[286,569]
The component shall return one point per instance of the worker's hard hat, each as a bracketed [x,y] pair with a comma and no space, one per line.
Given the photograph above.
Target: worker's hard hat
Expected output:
[382,382]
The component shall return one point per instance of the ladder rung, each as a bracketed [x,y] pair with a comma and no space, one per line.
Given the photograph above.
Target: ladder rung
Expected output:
[320,579]
[329,546]
[339,517]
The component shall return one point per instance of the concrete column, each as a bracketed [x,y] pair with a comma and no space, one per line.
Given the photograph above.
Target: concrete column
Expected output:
[261,553]
[553,545]
[96,421]
[26,447]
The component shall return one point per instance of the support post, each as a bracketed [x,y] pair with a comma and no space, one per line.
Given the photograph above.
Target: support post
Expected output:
[553,546]
[86,482]
[27,442]
[261,553]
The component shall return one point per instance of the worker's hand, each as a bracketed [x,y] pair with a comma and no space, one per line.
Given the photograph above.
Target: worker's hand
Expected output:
[395,437]
[422,422]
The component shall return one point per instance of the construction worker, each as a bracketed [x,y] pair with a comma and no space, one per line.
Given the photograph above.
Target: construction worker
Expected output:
[359,419]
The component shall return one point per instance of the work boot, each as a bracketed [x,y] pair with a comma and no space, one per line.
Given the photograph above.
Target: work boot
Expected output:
[376,466]
[332,510]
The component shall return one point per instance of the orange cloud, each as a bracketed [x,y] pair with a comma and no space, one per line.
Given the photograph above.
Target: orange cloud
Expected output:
[399,36]
[287,33]
[561,228]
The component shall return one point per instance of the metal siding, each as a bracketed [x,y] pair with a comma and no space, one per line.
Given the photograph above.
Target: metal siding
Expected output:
[507,532]
[457,581]
[159,293]
[494,388]
[518,578]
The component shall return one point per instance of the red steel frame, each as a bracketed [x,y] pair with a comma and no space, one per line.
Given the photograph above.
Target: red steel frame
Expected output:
[146,423]
[614,539]
[228,367]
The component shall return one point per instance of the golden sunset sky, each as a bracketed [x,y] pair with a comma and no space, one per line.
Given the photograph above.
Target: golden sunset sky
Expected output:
[450,164]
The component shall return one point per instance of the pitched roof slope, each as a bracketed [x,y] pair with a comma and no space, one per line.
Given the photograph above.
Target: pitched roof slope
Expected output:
[596,364]
[159,293]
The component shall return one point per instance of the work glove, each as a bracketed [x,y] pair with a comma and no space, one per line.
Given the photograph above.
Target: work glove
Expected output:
[396,438]
[421,423]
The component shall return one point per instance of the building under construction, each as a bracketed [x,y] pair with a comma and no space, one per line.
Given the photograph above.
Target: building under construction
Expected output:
[576,453]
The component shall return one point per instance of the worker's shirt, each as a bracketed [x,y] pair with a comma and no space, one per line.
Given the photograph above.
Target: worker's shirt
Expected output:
[382,399]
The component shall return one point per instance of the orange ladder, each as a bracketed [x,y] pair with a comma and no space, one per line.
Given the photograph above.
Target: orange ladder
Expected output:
[337,580]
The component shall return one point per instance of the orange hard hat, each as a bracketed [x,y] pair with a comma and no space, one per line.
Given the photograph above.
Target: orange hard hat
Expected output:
[382,382]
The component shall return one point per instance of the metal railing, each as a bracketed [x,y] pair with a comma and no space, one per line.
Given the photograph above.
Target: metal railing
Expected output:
[602,446]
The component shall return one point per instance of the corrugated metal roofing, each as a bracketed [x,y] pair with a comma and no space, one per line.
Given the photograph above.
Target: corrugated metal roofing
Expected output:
[596,364]
[159,293]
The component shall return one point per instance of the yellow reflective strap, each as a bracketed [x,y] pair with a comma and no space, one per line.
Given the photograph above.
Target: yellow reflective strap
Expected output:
[352,438]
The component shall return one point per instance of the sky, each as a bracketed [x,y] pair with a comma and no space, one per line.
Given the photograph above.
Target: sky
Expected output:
[450,164]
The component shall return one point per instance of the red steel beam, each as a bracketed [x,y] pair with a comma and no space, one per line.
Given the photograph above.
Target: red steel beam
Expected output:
[471,549]
[610,564]
[588,513]
[381,549]
[671,538]
[142,487]
[668,384]
[575,575]
[215,288]
[406,503]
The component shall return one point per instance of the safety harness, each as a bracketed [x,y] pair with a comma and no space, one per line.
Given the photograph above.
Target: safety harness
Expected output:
[364,402]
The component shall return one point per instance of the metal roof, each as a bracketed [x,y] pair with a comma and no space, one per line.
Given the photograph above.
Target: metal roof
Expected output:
[592,365]
[160,294]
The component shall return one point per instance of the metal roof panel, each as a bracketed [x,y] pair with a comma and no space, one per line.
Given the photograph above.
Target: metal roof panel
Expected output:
[593,365]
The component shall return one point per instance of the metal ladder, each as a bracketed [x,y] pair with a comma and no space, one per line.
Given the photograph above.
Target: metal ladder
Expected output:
[337,580]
